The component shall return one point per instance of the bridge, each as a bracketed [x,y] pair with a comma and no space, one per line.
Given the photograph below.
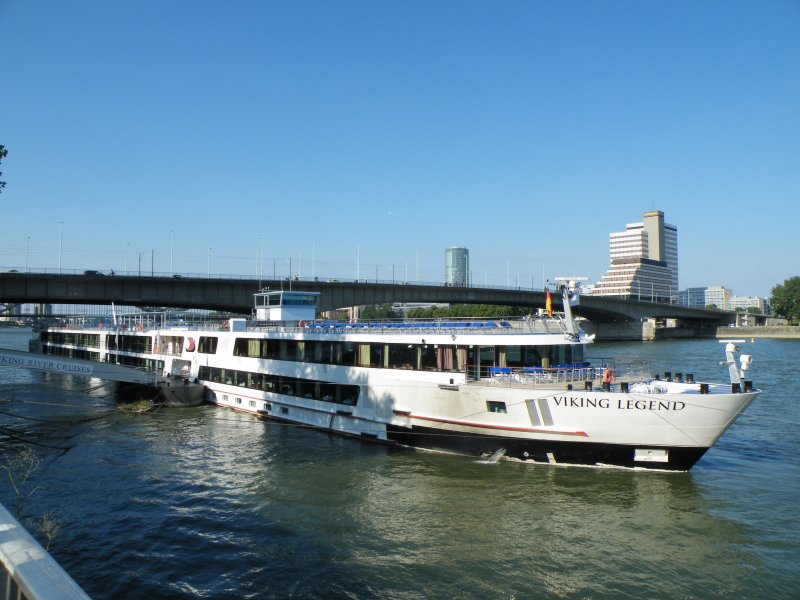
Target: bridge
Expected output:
[235,295]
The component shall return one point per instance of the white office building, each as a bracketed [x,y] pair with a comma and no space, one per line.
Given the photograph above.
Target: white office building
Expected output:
[742,303]
[644,261]
[719,297]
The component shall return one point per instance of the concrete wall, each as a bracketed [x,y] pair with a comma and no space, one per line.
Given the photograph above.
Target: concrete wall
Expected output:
[647,330]
[786,332]
[613,332]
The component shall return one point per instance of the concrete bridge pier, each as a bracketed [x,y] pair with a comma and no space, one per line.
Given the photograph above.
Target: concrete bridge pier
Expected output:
[650,329]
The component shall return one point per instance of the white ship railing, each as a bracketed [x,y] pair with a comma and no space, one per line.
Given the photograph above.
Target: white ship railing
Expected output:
[562,374]
[142,322]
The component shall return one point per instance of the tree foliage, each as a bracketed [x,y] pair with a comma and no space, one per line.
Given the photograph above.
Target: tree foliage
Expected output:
[21,465]
[3,154]
[785,299]
[379,312]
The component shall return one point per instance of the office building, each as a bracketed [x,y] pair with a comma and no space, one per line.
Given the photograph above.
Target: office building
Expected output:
[644,261]
[456,266]
[704,297]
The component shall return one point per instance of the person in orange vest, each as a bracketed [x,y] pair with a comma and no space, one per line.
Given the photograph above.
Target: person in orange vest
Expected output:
[608,376]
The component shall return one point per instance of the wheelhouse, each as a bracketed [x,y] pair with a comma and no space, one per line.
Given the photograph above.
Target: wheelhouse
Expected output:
[286,305]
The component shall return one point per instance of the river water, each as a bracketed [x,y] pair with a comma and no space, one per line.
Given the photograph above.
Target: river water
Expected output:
[209,503]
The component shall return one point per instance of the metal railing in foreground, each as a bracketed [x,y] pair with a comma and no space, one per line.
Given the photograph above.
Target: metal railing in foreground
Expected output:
[28,571]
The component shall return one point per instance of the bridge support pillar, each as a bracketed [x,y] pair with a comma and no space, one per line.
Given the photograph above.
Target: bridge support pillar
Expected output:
[648,330]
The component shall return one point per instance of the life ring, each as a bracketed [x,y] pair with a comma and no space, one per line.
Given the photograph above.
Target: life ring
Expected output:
[608,376]
[190,344]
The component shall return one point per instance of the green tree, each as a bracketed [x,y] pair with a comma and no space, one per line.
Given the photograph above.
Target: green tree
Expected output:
[378,312]
[785,299]
[3,154]
[480,311]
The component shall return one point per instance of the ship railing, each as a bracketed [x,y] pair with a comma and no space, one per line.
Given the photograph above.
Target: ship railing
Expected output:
[551,325]
[561,374]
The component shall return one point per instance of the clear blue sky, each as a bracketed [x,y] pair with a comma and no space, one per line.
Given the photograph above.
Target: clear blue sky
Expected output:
[385,131]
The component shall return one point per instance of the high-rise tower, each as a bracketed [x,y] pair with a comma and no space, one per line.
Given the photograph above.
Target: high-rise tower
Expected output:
[644,261]
[456,266]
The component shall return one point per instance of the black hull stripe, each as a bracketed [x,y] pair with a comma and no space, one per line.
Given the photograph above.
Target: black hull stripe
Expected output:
[543,451]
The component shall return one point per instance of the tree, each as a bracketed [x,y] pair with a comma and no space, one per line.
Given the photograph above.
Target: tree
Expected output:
[3,154]
[378,312]
[20,465]
[479,311]
[785,299]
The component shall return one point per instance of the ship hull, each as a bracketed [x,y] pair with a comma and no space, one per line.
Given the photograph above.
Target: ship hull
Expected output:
[548,451]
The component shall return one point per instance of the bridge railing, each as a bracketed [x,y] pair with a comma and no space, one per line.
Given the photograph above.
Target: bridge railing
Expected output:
[28,571]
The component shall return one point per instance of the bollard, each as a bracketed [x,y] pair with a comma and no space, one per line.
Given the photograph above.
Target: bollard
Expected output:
[748,385]
[703,388]
[667,376]
[735,388]
[623,387]
[679,377]
[588,385]
[689,378]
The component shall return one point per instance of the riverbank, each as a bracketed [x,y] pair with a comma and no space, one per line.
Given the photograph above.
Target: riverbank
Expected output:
[781,332]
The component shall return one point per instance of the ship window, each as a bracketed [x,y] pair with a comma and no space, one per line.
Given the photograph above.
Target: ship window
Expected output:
[267,406]
[207,345]
[254,381]
[375,358]
[305,388]
[270,349]
[250,347]
[513,356]
[495,407]
[291,350]
[286,385]
[252,403]
[313,351]
[428,359]
[284,410]
[349,394]
[346,354]
[402,356]
[290,386]
[299,300]
[328,392]
[327,352]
